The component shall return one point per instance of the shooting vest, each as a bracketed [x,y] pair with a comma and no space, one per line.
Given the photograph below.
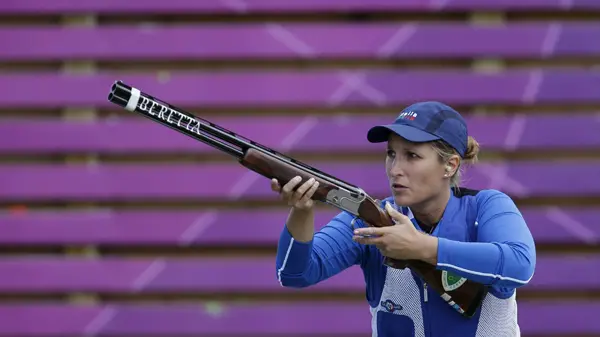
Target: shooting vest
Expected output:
[407,308]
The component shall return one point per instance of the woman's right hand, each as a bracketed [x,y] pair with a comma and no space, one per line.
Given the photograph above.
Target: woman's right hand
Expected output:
[299,199]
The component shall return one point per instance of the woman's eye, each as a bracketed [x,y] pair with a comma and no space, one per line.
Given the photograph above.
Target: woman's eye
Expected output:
[412,155]
[390,153]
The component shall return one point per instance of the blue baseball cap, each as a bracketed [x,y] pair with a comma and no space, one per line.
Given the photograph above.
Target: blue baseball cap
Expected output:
[425,122]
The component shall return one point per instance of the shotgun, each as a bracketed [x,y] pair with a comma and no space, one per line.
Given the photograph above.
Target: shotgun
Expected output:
[269,163]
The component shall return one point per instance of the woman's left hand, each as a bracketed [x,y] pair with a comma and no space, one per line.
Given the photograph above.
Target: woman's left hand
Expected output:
[401,241]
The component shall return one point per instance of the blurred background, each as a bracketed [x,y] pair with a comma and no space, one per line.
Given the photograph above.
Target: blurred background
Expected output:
[114,225]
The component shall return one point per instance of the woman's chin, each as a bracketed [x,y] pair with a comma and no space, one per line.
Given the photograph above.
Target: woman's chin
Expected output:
[402,199]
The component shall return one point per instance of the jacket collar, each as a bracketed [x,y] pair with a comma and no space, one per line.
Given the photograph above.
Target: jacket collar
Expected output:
[452,207]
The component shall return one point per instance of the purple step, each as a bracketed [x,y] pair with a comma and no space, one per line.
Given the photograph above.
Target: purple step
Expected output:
[232,181]
[146,275]
[545,318]
[48,275]
[214,227]
[428,40]
[306,88]
[328,134]
[217,6]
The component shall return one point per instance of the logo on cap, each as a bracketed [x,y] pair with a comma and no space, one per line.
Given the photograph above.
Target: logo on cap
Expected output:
[409,115]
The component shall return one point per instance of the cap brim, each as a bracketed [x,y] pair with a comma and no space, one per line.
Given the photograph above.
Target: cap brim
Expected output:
[381,133]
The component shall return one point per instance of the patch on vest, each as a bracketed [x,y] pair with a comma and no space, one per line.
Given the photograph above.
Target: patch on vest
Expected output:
[452,282]
[390,306]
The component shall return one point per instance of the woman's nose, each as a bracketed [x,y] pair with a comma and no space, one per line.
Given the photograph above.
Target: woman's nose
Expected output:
[396,168]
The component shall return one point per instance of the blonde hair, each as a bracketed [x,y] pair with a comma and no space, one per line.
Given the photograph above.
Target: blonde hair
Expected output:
[445,151]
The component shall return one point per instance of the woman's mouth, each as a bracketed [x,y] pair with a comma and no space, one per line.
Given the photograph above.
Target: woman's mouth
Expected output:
[399,187]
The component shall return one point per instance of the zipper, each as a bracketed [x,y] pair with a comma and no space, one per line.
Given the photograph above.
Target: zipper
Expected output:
[426,324]
[426,318]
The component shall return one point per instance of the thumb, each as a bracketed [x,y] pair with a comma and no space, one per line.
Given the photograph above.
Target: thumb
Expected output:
[395,215]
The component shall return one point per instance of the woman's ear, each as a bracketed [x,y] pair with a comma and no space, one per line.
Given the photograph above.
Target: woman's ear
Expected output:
[452,166]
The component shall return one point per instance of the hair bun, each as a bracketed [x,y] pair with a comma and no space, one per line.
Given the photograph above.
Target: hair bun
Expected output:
[472,150]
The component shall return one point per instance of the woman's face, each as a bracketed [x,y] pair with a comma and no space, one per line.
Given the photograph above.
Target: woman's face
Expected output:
[414,171]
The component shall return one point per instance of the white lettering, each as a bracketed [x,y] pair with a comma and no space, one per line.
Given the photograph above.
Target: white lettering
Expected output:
[189,123]
[161,112]
[179,121]
[144,105]
[169,115]
[196,128]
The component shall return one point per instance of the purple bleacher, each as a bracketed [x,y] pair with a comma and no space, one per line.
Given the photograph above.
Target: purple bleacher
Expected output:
[208,227]
[220,275]
[244,6]
[328,134]
[318,87]
[214,275]
[205,41]
[545,318]
[231,180]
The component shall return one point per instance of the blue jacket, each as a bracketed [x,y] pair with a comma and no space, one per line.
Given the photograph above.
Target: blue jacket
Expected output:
[482,237]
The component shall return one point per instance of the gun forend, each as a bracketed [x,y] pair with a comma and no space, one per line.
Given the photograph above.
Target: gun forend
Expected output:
[356,202]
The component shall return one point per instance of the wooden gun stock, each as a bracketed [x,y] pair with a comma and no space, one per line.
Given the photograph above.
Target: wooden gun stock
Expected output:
[272,164]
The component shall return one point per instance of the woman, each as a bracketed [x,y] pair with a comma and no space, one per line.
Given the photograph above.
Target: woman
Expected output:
[478,235]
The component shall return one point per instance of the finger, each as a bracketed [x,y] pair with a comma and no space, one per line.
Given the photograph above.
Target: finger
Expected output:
[302,189]
[375,240]
[287,188]
[275,185]
[394,214]
[305,187]
[371,231]
[305,205]
[306,198]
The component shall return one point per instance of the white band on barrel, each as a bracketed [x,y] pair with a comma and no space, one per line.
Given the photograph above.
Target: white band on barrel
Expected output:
[133,100]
